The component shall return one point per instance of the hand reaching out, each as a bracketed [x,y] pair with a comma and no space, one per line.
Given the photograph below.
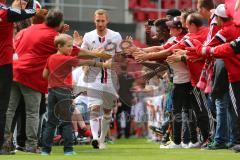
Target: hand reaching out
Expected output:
[174,58]
[77,38]
[65,28]
[140,56]
[100,53]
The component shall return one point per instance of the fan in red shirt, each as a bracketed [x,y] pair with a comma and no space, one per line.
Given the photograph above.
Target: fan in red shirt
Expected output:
[226,51]
[196,31]
[229,32]
[7,17]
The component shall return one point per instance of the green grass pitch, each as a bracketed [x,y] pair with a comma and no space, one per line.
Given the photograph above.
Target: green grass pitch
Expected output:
[129,149]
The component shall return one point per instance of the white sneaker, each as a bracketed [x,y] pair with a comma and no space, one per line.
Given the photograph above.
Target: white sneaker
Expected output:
[166,144]
[184,145]
[102,146]
[194,145]
[173,145]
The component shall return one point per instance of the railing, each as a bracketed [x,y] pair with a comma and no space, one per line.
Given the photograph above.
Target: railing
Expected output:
[61,4]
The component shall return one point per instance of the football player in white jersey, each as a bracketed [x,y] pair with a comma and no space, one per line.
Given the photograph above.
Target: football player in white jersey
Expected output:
[101,84]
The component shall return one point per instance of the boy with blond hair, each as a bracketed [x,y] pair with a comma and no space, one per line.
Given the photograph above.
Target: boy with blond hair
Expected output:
[58,71]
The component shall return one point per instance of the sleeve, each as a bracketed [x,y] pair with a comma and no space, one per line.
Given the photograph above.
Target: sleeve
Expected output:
[85,44]
[179,45]
[167,45]
[75,50]
[118,41]
[47,64]
[223,51]
[73,61]
[15,15]
[170,44]
[220,38]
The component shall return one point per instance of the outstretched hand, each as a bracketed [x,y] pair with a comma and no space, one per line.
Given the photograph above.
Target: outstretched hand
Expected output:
[77,39]
[174,58]
[100,53]
[65,28]
[140,56]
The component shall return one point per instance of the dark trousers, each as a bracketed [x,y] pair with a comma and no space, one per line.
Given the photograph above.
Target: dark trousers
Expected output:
[127,110]
[185,128]
[6,76]
[235,97]
[59,113]
[199,104]
[181,103]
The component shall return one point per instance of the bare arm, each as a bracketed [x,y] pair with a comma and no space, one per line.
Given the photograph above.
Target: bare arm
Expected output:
[153,49]
[95,64]
[84,53]
[45,73]
[154,55]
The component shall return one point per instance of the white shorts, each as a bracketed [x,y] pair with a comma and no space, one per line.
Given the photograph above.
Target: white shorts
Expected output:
[104,95]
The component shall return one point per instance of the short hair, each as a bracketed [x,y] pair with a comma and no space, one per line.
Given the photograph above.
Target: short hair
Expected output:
[207,4]
[101,12]
[161,22]
[186,12]
[61,39]
[173,12]
[39,16]
[54,18]
[196,19]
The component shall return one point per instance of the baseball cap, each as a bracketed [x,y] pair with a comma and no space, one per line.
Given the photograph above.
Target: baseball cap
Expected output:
[175,23]
[220,11]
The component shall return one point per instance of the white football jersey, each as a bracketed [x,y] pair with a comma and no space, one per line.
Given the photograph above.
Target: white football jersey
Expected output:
[92,40]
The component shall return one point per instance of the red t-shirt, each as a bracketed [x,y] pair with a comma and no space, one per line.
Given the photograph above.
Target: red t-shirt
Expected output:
[35,46]
[19,47]
[60,70]
[6,39]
